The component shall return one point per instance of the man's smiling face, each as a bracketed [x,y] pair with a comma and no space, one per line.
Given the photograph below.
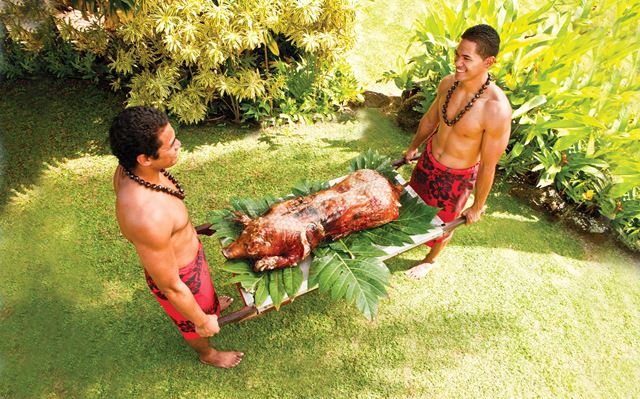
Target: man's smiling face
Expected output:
[469,64]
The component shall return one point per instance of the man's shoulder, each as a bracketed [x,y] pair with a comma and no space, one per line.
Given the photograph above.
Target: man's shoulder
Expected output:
[446,82]
[137,212]
[498,105]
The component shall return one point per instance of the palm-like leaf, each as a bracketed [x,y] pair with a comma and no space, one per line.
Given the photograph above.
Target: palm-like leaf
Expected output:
[254,207]
[226,230]
[373,160]
[360,281]
[306,187]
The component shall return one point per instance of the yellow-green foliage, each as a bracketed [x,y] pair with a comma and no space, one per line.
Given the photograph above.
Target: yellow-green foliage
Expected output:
[24,22]
[571,71]
[183,56]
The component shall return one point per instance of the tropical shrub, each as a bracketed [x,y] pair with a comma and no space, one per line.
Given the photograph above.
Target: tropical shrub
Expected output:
[570,70]
[193,57]
[32,46]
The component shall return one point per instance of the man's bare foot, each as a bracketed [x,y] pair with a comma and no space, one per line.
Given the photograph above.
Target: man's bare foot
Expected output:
[225,302]
[225,360]
[420,270]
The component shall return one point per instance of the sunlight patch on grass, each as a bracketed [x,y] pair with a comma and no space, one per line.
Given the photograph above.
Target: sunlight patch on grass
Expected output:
[114,293]
[22,197]
[511,216]
[86,167]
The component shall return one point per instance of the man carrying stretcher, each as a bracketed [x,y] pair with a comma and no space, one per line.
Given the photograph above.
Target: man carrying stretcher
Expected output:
[466,130]
[152,216]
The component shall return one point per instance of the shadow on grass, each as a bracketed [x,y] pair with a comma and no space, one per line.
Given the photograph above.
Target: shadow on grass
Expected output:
[47,121]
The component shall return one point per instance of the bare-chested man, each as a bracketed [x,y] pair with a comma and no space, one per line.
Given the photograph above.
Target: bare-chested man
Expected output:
[152,216]
[467,129]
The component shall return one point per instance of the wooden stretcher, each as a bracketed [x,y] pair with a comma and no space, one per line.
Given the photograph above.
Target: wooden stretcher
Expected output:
[251,310]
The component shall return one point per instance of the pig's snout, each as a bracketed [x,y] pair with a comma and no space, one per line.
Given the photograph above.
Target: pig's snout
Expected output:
[233,251]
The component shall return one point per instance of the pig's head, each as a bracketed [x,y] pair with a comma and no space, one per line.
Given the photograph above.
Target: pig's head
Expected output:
[252,243]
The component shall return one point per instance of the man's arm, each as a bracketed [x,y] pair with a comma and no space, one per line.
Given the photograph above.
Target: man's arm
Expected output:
[153,244]
[494,142]
[428,123]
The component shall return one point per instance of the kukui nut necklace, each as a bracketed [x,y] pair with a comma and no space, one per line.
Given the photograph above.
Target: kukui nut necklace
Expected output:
[466,107]
[158,187]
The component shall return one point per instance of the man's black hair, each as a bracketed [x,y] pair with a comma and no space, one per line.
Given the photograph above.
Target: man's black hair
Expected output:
[135,131]
[486,39]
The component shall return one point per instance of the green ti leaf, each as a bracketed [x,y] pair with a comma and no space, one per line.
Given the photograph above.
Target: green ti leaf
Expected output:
[293,279]
[248,281]
[262,290]
[276,287]
[237,266]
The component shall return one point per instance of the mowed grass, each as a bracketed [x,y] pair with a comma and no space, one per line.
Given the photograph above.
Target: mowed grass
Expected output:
[383,34]
[520,306]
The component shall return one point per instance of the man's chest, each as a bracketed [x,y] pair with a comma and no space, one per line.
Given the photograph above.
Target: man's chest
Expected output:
[464,120]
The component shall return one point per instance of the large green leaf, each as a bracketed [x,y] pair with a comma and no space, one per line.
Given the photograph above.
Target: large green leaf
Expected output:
[415,217]
[237,266]
[276,287]
[248,281]
[359,281]
[262,290]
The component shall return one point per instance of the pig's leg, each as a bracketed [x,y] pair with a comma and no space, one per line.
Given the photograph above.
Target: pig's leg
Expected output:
[275,262]
[241,218]
[299,248]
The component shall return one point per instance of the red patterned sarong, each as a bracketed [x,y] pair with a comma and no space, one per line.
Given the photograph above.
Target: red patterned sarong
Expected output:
[196,276]
[442,187]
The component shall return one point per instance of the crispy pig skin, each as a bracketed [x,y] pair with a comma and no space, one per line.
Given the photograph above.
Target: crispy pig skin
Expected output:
[290,230]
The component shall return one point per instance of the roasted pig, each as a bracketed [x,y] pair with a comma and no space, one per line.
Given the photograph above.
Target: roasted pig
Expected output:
[290,230]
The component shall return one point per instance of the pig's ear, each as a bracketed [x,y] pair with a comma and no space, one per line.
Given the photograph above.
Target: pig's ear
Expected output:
[241,218]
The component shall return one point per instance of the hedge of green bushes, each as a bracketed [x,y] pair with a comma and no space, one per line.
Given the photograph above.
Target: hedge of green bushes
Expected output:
[274,60]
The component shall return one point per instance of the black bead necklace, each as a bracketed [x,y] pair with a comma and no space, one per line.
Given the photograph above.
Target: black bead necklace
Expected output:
[158,187]
[466,107]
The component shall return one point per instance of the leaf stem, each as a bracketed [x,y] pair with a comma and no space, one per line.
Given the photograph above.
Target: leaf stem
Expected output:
[347,249]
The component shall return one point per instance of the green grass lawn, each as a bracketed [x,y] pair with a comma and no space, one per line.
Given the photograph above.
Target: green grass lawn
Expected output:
[383,33]
[520,307]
